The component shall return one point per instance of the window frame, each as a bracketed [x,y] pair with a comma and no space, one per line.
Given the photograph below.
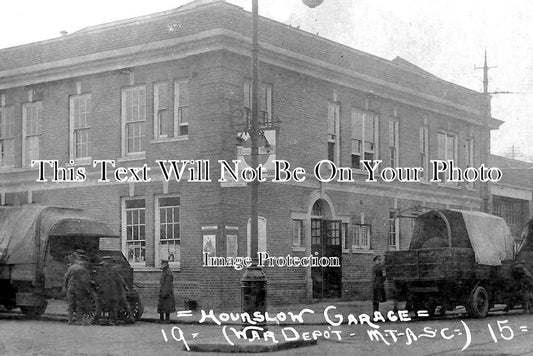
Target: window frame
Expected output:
[469,158]
[158,136]
[157,228]
[181,126]
[394,142]
[72,127]
[394,231]
[356,236]
[447,135]
[361,137]
[423,139]
[26,108]
[125,123]
[124,230]
[445,150]
[7,112]
[300,235]
[333,120]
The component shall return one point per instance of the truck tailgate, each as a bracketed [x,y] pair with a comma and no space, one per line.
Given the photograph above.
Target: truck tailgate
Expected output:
[429,264]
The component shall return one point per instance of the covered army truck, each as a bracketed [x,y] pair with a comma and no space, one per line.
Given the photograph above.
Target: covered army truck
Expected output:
[457,258]
[36,243]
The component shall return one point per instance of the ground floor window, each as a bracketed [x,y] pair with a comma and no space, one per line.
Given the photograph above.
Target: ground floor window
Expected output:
[168,226]
[134,230]
[298,233]
[361,236]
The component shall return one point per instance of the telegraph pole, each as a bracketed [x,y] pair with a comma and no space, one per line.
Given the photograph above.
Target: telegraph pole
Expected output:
[253,282]
[485,137]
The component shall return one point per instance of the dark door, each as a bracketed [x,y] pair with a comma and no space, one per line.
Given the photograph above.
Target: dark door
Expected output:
[326,242]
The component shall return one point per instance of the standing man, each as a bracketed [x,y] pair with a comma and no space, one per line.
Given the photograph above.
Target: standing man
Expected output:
[76,284]
[378,284]
[525,281]
[166,304]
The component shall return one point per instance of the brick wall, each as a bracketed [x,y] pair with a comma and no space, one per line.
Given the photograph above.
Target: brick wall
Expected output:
[216,89]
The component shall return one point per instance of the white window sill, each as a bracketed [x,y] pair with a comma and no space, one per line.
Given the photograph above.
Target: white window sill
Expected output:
[139,268]
[363,251]
[170,139]
[133,157]
[20,169]
[28,168]
[449,185]
[87,161]
[298,249]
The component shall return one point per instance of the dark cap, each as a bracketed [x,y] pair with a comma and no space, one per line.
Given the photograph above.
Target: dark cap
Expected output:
[376,257]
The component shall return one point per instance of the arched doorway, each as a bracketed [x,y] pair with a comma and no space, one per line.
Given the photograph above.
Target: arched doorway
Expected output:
[325,242]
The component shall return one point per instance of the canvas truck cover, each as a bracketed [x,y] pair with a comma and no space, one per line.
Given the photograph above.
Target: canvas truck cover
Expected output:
[488,235]
[24,230]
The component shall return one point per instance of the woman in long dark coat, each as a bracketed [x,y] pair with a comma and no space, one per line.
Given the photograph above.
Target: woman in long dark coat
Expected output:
[378,284]
[166,304]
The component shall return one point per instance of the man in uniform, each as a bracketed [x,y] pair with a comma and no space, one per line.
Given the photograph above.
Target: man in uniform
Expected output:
[166,304]
[76,285]
[525,278]
[378,283]
[111,292]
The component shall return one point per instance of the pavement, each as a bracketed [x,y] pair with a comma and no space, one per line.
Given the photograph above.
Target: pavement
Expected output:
[255,341]
[311,313]
[259,337]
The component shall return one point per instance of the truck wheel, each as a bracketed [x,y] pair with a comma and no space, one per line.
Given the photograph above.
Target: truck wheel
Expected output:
[137,307]
[34,311]
[89,314]
[478,303]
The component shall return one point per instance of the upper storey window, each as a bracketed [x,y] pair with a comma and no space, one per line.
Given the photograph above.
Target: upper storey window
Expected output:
[170,123]
[364,136]
[7,138]
[334,110]
[31,119]
[80,127]
[133,120]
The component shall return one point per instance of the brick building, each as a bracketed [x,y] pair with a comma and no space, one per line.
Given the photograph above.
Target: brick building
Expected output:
[512,196]
[175,85]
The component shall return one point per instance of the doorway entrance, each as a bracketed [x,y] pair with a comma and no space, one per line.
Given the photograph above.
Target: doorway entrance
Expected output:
[325,242]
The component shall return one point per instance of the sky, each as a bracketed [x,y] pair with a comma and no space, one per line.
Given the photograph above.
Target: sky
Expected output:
[445,37]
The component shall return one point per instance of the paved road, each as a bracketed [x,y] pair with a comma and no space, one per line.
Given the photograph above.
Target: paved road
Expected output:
[423,337]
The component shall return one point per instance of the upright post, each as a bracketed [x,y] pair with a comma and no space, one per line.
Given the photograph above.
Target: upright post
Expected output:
[253,282]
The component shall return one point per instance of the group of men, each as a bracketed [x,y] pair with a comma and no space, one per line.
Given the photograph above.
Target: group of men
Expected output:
[107,290]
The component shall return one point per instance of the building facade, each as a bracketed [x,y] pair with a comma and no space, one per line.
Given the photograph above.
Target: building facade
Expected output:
[176,86]
[512,196]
